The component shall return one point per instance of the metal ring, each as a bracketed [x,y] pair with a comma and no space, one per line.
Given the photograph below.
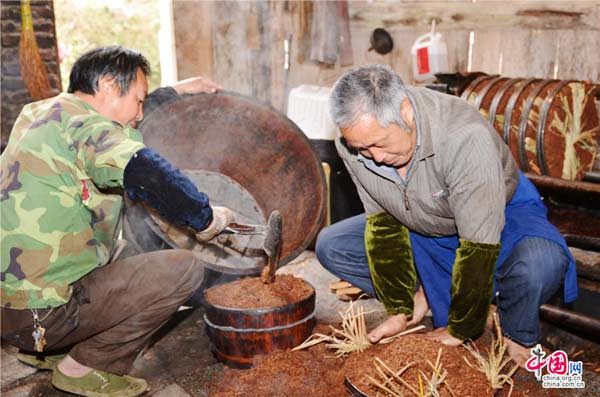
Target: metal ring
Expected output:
[472,86]
[509,108]
[542,123]
[483,93]
[228,328]
[523,124]
[498,98]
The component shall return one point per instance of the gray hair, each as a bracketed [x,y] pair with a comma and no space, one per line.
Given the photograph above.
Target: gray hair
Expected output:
[375,90]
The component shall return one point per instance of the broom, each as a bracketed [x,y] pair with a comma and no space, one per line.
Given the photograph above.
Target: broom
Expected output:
[33,70]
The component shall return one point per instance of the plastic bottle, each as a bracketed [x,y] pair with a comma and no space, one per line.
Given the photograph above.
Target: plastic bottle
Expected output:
[429,55]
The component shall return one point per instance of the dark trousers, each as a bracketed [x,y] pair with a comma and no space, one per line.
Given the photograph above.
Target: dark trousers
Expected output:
[529,277]
[113,310]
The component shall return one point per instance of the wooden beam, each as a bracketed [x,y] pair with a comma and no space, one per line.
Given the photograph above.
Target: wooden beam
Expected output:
[193,38]
[575,15]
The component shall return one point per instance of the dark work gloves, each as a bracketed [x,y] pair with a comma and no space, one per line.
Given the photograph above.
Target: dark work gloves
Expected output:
[391,264]
[150,178]
[472,287]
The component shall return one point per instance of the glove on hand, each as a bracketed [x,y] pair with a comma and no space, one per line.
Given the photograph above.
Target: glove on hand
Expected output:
[180,235]
[222,216]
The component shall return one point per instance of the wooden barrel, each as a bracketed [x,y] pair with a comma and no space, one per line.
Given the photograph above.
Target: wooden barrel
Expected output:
[237,335]
[550,126]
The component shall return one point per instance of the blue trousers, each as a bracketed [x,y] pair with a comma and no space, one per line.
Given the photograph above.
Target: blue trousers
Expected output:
[528,277]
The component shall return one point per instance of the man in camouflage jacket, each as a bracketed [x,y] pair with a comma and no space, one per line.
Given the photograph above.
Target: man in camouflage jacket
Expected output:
[61,287]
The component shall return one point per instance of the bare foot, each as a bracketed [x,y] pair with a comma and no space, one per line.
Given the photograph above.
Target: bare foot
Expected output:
[72,368]
[421,308]
[391,326]
[518,353]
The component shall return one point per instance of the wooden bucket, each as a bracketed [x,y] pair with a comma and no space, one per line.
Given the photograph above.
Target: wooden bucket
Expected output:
[550,126]
[237,335]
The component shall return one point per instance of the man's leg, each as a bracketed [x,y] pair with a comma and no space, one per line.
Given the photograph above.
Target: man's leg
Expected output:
[341,250]
[128,301]
[528,278]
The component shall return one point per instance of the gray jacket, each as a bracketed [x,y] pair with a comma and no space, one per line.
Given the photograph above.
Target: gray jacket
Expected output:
[459,180]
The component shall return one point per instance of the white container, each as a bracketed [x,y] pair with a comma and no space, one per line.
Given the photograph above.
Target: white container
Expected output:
[429,56]
[308,107]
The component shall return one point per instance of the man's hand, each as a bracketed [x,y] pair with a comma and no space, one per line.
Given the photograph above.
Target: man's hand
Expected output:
[222,217]
[391,326]
[442,335]
[195,85]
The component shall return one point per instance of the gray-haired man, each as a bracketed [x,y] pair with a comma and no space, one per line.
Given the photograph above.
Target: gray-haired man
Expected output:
[445,202]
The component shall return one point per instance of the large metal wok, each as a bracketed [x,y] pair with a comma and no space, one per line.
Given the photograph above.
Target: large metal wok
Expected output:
[254,145]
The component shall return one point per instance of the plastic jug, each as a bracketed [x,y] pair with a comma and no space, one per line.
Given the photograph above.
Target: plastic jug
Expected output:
[429,56]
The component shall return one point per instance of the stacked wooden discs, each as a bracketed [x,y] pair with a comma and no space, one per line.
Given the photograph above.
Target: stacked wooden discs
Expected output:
[550,126]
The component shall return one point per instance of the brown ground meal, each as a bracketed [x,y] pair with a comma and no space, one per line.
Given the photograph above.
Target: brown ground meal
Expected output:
[316,372]
[252,293]
[462,379]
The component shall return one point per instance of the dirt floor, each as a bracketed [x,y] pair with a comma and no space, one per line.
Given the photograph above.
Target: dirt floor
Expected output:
[317,372]
[179,362]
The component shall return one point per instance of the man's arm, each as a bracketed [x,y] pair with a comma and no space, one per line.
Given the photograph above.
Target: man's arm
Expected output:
[165,95]
[387,244]
[473,173]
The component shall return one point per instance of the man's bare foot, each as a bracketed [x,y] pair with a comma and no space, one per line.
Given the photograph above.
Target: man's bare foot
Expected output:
[421,308]
[69,367]
[518,353]
[391,326]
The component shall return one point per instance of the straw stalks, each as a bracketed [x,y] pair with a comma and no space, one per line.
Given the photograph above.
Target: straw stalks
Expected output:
[437,379]
[352,337]
[493,365]
[391,382]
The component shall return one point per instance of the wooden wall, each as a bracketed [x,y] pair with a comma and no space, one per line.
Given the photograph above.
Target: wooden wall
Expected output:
[240,44]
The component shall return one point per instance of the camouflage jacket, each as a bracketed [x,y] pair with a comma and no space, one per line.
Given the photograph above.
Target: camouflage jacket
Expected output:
[59,219]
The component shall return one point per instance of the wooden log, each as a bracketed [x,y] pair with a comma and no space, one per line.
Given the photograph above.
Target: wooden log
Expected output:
[580,193]
[571,320]
[482,15]
[588,264]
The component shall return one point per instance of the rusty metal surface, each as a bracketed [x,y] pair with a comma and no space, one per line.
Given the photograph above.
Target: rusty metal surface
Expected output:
[253,144]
